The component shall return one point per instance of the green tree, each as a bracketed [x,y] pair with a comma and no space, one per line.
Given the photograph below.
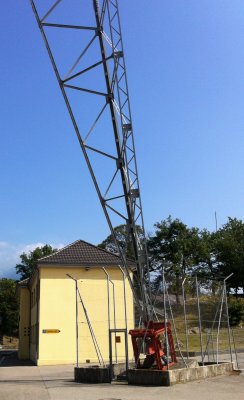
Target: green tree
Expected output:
[236,311]
[207,266]
[230,252]
[8,306]
[123,238]
[29,261]
[175,247]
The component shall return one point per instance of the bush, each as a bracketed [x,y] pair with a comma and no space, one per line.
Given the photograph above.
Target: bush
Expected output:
[236,311]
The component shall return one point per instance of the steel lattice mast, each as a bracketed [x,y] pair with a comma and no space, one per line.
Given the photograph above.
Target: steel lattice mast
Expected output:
[121,197]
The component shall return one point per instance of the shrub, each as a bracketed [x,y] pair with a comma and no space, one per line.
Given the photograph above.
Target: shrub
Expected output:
[236,311]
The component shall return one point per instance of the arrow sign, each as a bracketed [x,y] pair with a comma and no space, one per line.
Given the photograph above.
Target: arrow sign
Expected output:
[51,331]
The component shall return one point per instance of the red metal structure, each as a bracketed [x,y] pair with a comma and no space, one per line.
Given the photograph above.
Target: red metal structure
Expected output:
[155,352]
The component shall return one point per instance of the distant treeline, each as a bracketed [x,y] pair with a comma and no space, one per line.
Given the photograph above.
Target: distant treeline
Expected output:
[186,251]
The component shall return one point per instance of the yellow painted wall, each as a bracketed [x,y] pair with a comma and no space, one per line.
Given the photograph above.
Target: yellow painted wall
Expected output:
[24,318]
[57,311]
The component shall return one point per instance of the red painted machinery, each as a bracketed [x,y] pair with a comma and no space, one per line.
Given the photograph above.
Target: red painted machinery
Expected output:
[152,341]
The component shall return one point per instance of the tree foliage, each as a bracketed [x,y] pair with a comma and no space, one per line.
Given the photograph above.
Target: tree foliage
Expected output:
[212,255]
[186,251]
[29,261]
[121,234]
[236,311]
[175,247]
[8,306]
[229,245]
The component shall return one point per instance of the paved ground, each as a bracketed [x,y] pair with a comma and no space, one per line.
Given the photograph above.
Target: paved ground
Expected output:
[28,382]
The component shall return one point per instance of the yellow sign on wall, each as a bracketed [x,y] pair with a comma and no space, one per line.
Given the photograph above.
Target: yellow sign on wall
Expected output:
[50,331]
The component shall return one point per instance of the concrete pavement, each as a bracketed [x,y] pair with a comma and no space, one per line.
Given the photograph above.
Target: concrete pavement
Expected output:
[19,382]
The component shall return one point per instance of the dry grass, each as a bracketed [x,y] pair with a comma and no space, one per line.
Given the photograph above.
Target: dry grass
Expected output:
[208,307]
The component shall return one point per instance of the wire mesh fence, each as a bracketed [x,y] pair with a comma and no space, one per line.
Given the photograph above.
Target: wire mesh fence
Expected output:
[198,312]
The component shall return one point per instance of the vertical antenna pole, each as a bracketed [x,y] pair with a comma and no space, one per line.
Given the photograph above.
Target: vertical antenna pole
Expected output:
[108,297]
[216,221]
[165,318]
[112,283]
[199,320]
[234,345]
[125,305]
[76,319]
[185,319]
[220,315]
[115,327]
[77,325]
[227,315]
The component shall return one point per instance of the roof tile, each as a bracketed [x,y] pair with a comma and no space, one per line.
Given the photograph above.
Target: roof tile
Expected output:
[84,254]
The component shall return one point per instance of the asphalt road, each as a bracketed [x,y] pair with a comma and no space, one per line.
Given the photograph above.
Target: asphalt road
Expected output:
[21,381]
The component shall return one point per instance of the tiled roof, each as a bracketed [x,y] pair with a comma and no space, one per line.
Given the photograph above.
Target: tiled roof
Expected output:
[84,254]
[24,282]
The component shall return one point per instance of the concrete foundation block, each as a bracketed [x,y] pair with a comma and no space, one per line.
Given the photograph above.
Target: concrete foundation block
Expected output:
[92,375]
[147,377]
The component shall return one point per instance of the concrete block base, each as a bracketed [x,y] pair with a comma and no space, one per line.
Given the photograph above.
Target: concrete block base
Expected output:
[152,377]
[92,375]
[96,374]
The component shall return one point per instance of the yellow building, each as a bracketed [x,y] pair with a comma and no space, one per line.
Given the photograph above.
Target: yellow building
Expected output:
[49,319]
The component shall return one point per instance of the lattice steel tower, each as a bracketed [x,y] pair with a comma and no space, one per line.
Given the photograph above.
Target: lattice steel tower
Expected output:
[88,60]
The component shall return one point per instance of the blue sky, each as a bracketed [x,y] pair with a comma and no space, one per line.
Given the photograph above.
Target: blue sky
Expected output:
[185,69]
